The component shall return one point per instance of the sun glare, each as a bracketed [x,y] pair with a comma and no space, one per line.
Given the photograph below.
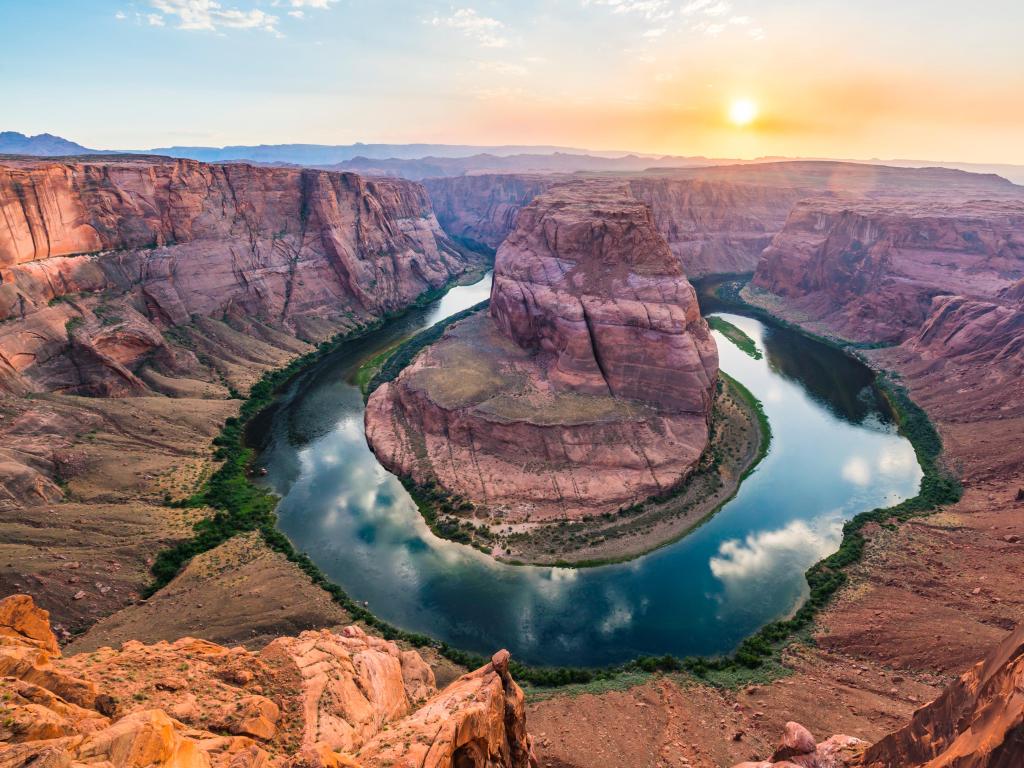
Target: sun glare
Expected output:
[742,112]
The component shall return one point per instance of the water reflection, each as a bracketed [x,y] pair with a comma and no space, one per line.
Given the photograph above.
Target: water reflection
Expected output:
[835,453]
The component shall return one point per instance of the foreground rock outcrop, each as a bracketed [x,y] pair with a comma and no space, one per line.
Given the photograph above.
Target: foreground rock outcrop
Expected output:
[587,387]
[977,722]
[321,700]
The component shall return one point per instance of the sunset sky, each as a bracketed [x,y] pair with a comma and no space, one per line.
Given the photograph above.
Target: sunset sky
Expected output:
[926,79]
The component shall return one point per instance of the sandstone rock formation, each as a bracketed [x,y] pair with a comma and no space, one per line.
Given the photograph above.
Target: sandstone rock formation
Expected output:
[589,385]
[868,270]
[711,226]
[321,699]
[101,260]
[143,276]
[978,722]
[483,208]
[716,219]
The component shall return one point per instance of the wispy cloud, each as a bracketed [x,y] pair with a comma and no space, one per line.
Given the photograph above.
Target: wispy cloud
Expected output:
[211,16]
[483,29]
[652,10]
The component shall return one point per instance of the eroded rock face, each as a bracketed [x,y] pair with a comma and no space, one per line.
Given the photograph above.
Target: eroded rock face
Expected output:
[712,226]
[99,259]
[978,722]
[321,700]
[716,226]
[587,279]
[483,208]
[586,388]
[869,270]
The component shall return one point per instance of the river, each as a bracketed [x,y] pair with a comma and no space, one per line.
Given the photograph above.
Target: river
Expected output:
[835,453]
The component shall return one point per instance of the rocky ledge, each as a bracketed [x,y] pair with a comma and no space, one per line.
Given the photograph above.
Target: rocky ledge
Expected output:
[977,722]
[319,700]
[586,388]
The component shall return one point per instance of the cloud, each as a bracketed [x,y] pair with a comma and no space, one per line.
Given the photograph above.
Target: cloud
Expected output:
[857,471]
[155,19]
[483,29]
[652,33]
[709,29]
[652,10]
[211,16]
[120,16]
[760,554]
[297,14]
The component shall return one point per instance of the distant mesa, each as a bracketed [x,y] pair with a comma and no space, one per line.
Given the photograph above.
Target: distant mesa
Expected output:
[587,386]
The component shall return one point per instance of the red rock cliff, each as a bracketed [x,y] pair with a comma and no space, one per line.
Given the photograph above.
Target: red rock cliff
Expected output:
[712,226]
[99,258]
[483,208]
[587,279]
[869,270]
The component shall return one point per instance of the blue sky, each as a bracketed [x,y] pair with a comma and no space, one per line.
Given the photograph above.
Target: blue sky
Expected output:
[886,79]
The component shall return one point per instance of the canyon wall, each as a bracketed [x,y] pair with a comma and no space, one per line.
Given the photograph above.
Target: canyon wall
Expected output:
[716,219]
[711,226]
[322,699]
[139,299]
[101,261]
[868,270]
[586,388]
[483,209]
[716,226]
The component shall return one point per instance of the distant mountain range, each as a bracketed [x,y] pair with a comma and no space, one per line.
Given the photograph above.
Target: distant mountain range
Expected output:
[420,161]
[44,145]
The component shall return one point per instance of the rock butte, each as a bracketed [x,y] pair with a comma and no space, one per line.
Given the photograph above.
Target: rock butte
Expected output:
[587,387]
[322,700]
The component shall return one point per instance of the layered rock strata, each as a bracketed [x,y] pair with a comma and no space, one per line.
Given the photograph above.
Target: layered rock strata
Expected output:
[869,270]
[154,276]
[321,699]
[100,262]
[716,219]
[587,386]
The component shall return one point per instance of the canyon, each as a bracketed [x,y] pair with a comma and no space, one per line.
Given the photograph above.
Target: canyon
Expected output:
[587,387]
[140,294]
[139,297]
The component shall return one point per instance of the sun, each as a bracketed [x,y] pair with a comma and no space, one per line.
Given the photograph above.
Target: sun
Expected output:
[742,112]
